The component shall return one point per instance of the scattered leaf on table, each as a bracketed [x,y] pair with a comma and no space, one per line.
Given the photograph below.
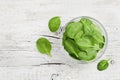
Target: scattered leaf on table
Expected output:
[54,23]
[43,46]
[102,65]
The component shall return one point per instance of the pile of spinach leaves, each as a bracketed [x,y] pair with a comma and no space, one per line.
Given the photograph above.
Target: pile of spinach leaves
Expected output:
[83,39]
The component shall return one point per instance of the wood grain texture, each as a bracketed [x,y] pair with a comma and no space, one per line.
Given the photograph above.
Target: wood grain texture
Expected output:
[22,22]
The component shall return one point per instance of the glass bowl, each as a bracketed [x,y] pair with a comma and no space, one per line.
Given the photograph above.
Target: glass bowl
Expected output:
[102,51]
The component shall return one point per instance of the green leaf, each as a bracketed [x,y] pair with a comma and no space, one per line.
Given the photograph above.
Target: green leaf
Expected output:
[83,42]
[86,21]
[88,29]
[73,28]
[96,47]
[83,55]
[78,35]
[90,39]
[74,56]
[69,24]
[43,46]
[88,55]
[54,23]
[98,37]
[71,47]
[95,43]
[102,65]
[96,28]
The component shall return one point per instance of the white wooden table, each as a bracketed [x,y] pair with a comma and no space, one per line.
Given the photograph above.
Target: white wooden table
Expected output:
[23,21]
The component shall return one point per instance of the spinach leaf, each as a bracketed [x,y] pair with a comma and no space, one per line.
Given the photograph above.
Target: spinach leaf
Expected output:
[54,23]
[83,42]
[71,47]
[102,65]
[73,28]
[86,21]
[95,43]
[98,37]
[83,55]
[43,46]
[88,54]
[74,56]
[96,47]
[101,45]
[78,35]
[96,28]
[88,29]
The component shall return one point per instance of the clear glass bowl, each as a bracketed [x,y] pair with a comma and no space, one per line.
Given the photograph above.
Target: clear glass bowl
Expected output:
[102,51]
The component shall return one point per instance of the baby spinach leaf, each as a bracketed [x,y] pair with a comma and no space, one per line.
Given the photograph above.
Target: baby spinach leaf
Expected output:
[43,46]
[96,47]
[96,28]
[54,23]
[73,28]
[86,21]
[98,36]
[88,29]
[69,24]
[88,54]
[102,65]
[95,43]
[82,48]
[71,47]
[83,41]
[74,56]
[82,55]
[78,35]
